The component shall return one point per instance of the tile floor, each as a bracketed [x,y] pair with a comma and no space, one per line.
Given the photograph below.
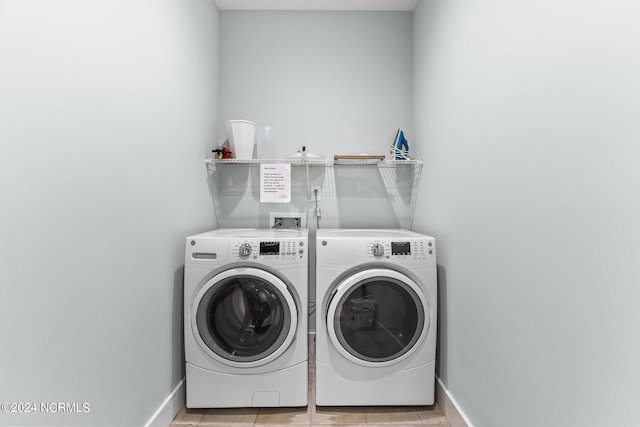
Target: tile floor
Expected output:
[312,415]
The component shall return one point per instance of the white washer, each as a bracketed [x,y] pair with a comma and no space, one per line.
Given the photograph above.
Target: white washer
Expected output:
[376,296]
[245,318]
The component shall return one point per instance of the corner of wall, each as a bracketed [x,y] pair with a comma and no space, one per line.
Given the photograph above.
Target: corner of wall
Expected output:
[450,407]
[169,408]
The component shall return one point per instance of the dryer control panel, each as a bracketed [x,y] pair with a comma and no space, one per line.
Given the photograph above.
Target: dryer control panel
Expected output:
[409,251]
[405,249]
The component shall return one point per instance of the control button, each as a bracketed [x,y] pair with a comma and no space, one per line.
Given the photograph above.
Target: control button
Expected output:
[301,251]
[377,249]
[301,243]
[245,250]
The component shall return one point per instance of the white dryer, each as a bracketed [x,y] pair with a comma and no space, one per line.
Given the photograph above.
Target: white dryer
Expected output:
[376,296]
[245,318]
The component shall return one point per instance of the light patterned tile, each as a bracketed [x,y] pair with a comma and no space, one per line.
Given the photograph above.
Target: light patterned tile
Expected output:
[396,415]
[341,415]
[288,425]
[284,416]
[237,417]
[343,425]
[187,417]
[393,424]
[433,416]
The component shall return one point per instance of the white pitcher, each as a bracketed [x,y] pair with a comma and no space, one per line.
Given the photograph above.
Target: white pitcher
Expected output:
[242,138]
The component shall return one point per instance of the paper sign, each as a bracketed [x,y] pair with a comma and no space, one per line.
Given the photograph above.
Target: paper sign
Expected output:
[275,183]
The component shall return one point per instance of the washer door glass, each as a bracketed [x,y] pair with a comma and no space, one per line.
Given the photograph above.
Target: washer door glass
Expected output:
[377,317]
[245,318]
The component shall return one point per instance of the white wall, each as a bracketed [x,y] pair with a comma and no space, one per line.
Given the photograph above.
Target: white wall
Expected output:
[337,82]
[107,110]
[527,115]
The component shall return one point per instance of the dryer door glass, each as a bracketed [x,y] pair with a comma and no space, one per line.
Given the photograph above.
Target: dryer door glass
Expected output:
[244,318]
[378,319]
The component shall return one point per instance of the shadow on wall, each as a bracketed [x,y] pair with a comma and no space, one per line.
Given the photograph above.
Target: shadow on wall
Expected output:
[235,191]
[177,322]
[351,195]
[363,199]
[442,302]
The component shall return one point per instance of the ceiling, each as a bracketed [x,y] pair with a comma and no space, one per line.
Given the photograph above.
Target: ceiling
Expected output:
[357,5]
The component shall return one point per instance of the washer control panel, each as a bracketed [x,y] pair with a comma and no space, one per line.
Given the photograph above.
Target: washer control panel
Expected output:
[269,250]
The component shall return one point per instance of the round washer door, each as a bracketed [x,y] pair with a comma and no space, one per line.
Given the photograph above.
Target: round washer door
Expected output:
[244,317]
[377,317]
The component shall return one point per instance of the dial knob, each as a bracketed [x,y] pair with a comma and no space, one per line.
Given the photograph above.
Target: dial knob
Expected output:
[245,249]
[377,249]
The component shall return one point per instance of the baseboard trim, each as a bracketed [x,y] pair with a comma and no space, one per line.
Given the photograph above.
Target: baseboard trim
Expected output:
[169,408]
[450,407]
